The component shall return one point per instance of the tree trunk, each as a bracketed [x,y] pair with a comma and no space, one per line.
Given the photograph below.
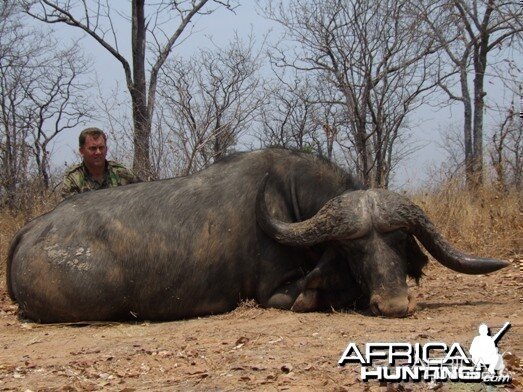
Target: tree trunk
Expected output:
[379,161]
[467,129]
[361,150]
[44,170]
[138,90]
[480,64]
[479,104]
[330,136]
[496,156]
[360,116]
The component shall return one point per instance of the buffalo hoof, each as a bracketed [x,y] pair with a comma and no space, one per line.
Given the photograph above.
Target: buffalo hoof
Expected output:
[307,301]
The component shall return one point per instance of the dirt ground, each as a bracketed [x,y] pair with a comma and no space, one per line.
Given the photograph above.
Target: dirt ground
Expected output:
[260,349]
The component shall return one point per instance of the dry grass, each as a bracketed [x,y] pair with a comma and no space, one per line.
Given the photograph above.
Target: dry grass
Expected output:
[9,225]
[11,221]
[489,224]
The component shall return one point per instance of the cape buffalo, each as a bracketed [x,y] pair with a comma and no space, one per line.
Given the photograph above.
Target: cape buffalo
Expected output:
[284,228]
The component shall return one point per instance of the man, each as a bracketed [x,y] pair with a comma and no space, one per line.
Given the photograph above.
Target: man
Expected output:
[95,172]
[483,350]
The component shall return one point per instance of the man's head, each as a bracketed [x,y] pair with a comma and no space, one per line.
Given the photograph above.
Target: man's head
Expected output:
[93,147]
[483,330]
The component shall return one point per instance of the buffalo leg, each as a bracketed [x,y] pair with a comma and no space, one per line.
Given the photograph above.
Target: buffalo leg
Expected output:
[309,298]
[285,296]
[326,286]
[307,301]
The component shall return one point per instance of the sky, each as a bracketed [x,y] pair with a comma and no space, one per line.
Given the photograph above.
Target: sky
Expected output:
[428,123]
[218,28]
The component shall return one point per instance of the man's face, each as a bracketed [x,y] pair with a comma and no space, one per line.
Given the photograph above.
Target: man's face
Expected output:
[94,151]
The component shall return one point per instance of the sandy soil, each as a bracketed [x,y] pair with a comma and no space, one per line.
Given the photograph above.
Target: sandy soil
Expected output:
[259,349]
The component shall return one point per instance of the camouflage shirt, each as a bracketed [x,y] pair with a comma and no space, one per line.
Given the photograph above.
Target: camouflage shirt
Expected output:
[77,179]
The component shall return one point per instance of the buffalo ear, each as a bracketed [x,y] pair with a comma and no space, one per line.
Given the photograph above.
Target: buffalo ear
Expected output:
[416,259]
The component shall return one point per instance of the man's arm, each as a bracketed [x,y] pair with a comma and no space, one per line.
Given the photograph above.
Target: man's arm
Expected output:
[134,177]
[121,175]
[69,186]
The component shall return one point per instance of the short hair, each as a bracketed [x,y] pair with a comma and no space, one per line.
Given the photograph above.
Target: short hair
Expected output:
[93,132]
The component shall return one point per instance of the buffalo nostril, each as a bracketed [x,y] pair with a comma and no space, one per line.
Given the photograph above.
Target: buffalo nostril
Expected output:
[392,306]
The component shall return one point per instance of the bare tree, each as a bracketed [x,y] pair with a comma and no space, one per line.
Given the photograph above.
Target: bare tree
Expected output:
[299,113]
[40,96]
[374,55]
[286,117]
[469,32]
[57,102]
[15,54]
[506,150]
[209,100]
[97,19]
[115,112]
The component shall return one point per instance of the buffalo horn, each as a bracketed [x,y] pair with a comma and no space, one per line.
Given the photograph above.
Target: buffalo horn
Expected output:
[393,211]
[340,217]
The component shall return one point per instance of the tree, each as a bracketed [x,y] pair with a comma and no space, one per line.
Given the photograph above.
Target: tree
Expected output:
[57,102]
[470,31]
[209,100]
[373,55]
[40,96]
[506,149]
[299,114]
[97,19]
[286,117]
[14,150]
